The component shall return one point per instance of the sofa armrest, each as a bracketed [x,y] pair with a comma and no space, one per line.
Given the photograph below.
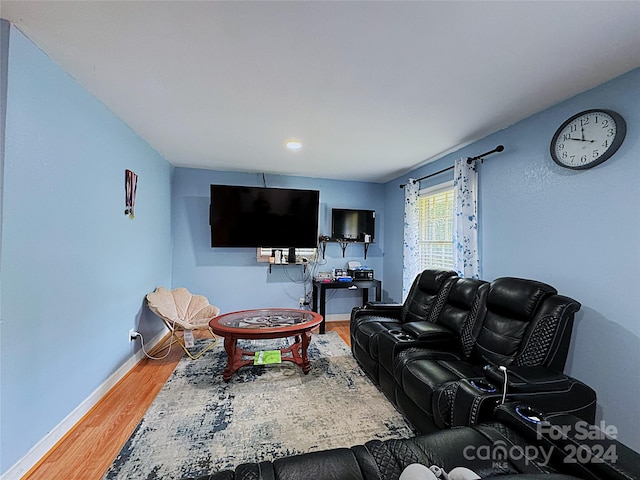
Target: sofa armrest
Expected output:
[583,449]
[380,305]
[222,475]
[528,379]
[429,332]
[387,311]
[471,401]
[474,401]
[334,464]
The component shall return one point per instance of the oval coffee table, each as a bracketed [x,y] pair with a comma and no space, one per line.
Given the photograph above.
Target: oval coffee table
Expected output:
[263,324]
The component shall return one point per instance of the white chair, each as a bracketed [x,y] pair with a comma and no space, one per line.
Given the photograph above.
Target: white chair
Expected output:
[180,310]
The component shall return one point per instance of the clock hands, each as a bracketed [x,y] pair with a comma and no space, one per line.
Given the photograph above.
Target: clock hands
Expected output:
[580,140]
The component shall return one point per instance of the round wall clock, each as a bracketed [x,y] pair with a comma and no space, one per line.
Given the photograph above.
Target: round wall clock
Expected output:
[587,139]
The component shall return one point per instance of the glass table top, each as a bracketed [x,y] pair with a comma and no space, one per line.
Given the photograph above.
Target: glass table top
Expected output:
[266,318]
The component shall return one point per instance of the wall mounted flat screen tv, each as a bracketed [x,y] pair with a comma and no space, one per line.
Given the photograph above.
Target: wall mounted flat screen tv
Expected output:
[263,217]
[352,224]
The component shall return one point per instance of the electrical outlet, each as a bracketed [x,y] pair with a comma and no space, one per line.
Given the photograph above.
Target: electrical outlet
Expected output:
[133,335]
[301,302]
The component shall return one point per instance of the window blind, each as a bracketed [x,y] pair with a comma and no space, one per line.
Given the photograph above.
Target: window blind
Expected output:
[436,229]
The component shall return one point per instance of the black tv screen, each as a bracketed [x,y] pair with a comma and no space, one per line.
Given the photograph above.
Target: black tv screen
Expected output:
[263,217]
[349,224]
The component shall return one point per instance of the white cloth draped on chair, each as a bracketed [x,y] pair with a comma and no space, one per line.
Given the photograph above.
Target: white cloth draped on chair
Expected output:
[465,220]
[411,248]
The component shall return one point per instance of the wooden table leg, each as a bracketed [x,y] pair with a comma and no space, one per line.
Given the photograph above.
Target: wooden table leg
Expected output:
[230,347]
[306,364]
[298,351]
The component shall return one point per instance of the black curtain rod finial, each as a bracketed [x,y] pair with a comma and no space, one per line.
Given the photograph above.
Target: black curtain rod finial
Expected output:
[402,185]
[499,148]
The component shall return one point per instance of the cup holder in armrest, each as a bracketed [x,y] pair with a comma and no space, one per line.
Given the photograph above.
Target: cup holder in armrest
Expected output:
[482,385]
[401,335]
[529,414]
[404,337]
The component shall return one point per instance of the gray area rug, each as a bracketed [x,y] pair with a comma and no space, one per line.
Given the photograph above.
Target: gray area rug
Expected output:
[199,424]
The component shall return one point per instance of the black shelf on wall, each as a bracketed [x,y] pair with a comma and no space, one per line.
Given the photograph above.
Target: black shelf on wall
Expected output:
[344,242]
[304,265]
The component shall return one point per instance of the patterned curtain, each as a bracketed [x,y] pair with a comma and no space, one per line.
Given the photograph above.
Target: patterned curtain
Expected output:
[465,219]
[410,251]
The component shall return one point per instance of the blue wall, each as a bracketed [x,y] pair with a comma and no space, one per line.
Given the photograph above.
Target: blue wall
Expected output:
[230,277]
[74,268]
[576,230]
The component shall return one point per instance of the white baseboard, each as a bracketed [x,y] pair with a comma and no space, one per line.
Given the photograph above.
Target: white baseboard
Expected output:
[45,444]
[337,317]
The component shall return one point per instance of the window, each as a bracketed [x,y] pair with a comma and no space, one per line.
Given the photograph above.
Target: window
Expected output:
[435,236]
[310,254]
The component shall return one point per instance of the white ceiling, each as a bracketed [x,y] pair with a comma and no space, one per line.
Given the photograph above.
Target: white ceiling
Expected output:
[371,88]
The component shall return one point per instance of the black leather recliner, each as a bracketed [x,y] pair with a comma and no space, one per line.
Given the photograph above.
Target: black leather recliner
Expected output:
[454,329]
[525,329]
[424,302]
[516,445]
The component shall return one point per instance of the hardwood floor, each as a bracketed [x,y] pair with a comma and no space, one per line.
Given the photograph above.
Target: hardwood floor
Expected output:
[88,450]
[341,328]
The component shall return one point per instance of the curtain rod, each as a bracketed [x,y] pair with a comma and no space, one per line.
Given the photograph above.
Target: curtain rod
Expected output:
[499,148]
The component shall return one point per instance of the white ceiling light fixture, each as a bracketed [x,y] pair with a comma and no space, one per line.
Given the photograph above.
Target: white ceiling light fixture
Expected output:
[294,144]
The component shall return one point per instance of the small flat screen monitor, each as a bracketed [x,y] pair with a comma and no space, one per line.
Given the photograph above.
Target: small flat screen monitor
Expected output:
[355,225]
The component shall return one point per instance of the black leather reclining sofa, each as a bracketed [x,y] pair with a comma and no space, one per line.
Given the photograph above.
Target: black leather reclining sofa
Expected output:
[441,357]
[516,445]
[438,358]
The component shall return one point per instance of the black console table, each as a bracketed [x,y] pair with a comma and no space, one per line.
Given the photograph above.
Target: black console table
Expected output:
[354,285]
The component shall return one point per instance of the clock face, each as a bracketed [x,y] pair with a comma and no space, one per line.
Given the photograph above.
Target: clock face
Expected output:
[588,139]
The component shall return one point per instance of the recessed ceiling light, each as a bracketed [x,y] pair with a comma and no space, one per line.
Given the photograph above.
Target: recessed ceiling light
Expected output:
[294,144]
